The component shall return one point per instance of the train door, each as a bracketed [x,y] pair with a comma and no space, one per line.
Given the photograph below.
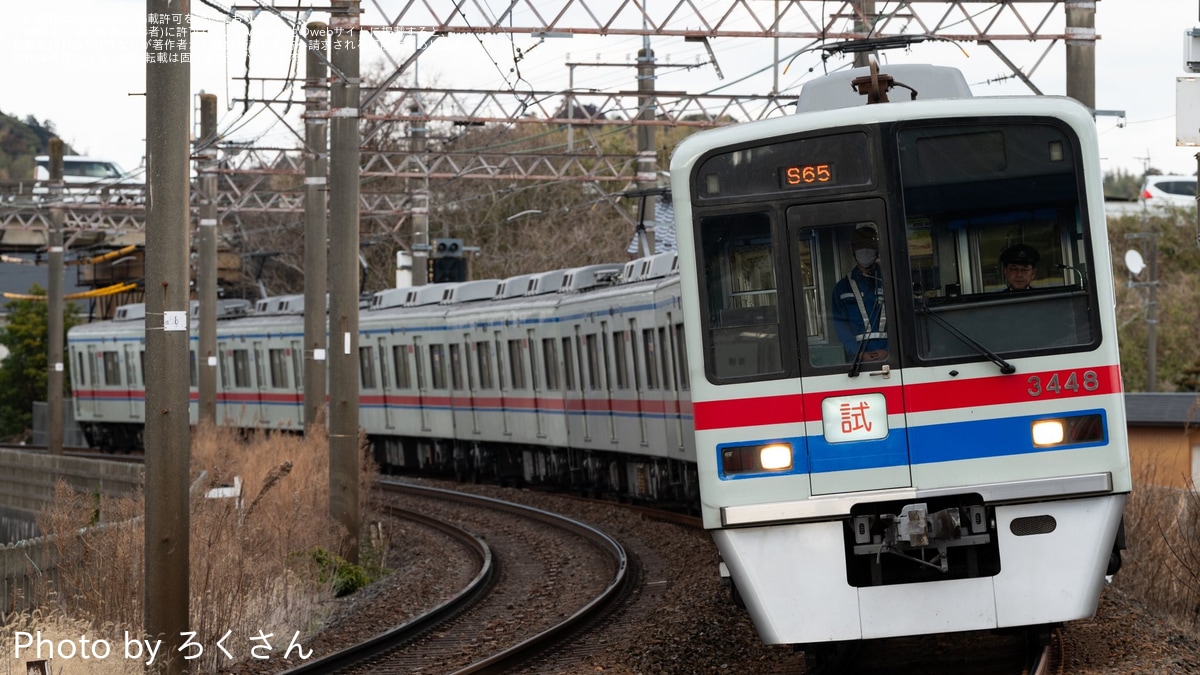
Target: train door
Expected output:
[386,383]
[469,367]
[849,356]
[605,371]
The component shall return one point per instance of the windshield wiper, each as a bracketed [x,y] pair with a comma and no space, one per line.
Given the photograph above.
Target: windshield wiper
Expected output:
[1005,367]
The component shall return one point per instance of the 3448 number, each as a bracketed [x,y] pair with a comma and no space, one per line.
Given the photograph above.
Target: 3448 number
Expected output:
[1057,384]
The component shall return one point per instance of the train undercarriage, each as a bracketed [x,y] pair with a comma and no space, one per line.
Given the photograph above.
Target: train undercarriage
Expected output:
[652,480]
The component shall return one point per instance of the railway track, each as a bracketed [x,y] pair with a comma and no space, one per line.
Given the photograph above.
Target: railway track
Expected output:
[520,567]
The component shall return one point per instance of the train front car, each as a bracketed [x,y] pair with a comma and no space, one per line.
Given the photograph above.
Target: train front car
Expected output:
[907,397]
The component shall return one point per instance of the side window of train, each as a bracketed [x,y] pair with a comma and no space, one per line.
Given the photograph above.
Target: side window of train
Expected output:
[400,363]
[366,366]
[241,368]
[193,377]
[456,367]
[279,368]
[437,366]
[568,364]
[650,358]
[620,359]
[112,367]
[516,365]
[593,361]
[740,299]
[483,356]
[1006,247]
[681,359]
[80,370]
[298,363]
[550,363]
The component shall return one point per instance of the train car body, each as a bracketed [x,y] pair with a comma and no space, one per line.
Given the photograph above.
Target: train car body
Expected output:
[572,377]
[901,443]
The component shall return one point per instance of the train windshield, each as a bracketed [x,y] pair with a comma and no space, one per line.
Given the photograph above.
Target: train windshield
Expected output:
[996,246]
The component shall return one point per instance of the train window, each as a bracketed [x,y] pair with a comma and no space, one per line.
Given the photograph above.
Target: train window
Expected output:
[111,363]
[665,357]
[568,364]
[825,163]
[222,358]
[483,356]
[516,365]
[620,361]
[279,368]
[241,368]
[499,363]
[593,361]
[604,367]
[366,366]
[142,364]
[681,362]
[400,367]
[468,365]
[260,365]
[130,367]
[997,246]
[531,345]
[840,280]
[298,363]
[192,377]
[550,362]
[419,363]
[456,378]
[633,354]
[740,297]
[650,358]
[437,366]
[93,366]
[81,372]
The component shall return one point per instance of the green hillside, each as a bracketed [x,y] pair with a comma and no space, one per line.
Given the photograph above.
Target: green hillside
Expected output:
[20,142]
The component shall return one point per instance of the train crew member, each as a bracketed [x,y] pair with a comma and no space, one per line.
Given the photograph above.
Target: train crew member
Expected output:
[1019,263]
[858,312]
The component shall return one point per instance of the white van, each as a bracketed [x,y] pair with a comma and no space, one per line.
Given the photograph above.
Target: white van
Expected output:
[90,178]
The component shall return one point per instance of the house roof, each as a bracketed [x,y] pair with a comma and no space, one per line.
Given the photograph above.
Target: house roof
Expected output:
[1162,409]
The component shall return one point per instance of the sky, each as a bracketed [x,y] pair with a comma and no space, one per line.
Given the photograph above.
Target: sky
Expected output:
[80,64]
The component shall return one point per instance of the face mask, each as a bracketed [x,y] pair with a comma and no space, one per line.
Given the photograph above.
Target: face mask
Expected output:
[865,256]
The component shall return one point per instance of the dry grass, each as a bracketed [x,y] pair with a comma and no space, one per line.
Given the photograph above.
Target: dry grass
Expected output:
[252,568]
[1162,563]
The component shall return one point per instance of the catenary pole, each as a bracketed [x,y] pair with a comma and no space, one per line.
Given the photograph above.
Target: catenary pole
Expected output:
[206,266]
[343,273]
[168,80]
[54,309]
[316,252]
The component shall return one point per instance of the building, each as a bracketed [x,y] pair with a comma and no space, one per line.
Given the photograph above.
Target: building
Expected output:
[1164,438]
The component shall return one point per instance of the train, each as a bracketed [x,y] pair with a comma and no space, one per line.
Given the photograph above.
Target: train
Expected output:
[882,364]
[906,388]
[574,377]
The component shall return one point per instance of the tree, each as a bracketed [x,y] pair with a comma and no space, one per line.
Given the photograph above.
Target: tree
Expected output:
[23,373]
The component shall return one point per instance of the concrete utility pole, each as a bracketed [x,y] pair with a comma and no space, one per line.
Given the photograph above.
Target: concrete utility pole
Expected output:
[422,254]
[168,83]
[1081,51]
[206,266]
[343,273]
[647,169]
[316,253]
[54,309]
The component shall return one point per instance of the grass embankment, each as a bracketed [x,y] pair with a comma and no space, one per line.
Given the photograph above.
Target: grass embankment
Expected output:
[265,565]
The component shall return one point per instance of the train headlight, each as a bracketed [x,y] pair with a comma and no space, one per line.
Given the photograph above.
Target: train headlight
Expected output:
[757,458]
[1073,430]
[1048,432]
[776,457]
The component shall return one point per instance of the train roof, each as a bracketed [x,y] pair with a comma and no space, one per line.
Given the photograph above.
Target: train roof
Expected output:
[834,91]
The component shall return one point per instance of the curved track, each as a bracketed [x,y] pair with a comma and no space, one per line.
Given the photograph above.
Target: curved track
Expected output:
[470,633]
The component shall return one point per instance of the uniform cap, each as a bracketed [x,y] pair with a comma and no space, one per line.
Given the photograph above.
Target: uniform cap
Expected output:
[864,237]
[1021,254]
